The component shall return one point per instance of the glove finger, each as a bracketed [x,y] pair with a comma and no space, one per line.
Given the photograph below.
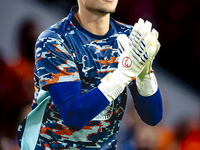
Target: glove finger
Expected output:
[137,33]
[137,26]
[141,22]
[133,42]
[155,43]
[148,26]
[135,29]
[138,37]
[120,49]
[136,40]
[151,52]
[144,47]
[141,48]
[154,34]
[144,58]
[145,27]
[146,41]
[119,41]
[123,43]
[143,31]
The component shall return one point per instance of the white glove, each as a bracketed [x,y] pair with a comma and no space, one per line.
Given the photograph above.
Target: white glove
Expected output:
[146,81]
[131,62]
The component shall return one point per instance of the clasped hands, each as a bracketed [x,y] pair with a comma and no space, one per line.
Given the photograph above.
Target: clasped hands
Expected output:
[138,51]
[136,56]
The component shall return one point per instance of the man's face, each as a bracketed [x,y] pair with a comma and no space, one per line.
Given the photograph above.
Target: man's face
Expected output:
[102,6]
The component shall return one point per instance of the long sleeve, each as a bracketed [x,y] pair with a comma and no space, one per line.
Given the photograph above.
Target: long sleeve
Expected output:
[150,109]
[75,109]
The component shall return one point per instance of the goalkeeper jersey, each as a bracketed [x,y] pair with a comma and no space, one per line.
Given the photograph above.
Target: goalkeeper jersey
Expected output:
[66,52]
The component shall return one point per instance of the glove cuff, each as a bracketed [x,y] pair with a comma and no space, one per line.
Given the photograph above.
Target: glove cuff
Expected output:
[147,86]
[113,84]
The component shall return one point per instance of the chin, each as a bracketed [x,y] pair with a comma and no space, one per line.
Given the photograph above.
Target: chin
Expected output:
[106,10]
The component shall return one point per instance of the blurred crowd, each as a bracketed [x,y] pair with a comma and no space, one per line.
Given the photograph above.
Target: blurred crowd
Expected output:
[178,25]
[17,86]
[136,135]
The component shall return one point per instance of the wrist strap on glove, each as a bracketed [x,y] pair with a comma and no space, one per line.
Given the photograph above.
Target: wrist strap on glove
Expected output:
[147,86]
[113,84]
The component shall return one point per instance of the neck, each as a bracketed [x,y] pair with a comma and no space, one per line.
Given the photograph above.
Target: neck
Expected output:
[94,22]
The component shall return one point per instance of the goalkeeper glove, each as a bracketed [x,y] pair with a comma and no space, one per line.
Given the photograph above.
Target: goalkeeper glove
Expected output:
[131,61]
[146,81]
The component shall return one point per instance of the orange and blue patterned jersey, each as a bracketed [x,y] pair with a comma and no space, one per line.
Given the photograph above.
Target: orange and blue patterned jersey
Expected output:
[66,52]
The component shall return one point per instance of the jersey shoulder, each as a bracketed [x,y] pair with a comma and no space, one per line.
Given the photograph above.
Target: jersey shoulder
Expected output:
[122,27]
[59,29]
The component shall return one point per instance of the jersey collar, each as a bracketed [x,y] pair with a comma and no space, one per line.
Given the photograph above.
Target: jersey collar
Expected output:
[74,10]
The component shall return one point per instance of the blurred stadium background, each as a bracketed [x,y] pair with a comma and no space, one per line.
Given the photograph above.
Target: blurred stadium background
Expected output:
[176,68]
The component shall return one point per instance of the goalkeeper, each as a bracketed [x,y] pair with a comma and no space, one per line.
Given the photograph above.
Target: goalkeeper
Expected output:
[83,67]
